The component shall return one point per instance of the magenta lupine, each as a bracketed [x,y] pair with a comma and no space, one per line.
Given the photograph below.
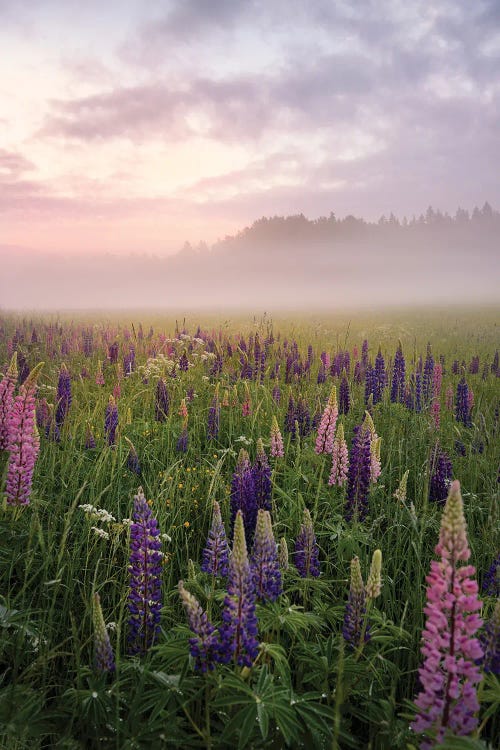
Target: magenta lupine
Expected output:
[216,552]
[449,674]
[238,631]
[277,449]
[437,380]
[326,430]
[7,387]
[340,459]
[436,413]
[104,660]
[24,442]
[203,644]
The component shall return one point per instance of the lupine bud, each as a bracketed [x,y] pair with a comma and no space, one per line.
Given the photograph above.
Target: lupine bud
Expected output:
[400,493]
[375,465]
[203,644]
[216,552]
[355,629]
[283,555]
[104,660]
[374,583]
[306,552]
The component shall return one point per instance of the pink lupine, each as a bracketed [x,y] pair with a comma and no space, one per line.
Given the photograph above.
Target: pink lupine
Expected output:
[437,378]
[277,449]
[340,459]
[449,674]
[99,378]
[436,413]
[183,411]
[470,398]
[375,464]
[7,387]
[24,442]
[326,429]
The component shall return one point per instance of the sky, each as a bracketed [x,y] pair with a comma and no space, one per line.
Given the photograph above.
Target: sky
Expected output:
[131,127]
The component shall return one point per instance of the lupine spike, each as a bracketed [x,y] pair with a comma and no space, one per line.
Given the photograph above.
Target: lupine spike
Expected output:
[203,644]
[400,493]
[238,631]
[340,459]
[306,552]
[358,476]
[262,478]
[7,388]
[243,495]
[374,582]
[490,642]
[111,421]
[355,629]
[264,560]
[283,555]
[104,659]
[216,552]
[326,430]
[277,449]
[449,674]
[64,397]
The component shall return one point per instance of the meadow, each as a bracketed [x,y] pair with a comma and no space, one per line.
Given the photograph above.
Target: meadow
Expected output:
[306,655]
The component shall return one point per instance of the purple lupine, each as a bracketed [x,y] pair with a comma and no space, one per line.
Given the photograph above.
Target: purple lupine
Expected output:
[290,416]
[133,459]
[369,382]
[216,553]
[462,407]
[243,496]
[491,582]
[264,560]
[24,442]
[262,478]
[182,440]
[104,659]
[111,421]
[213,423]
[359,473]
[441,474]
[113,351]
[326,430]
[490,643]
[129,362]
[183,362]
[7,387]
[42,414]
[355,628]
[303,418]
[63,396]
[204,643]
[145,569]
[344,396]
[276,394]
[162,401]
[398,376]
[238,631]
[379,377]
[428,378]
[449,674]
[306,550]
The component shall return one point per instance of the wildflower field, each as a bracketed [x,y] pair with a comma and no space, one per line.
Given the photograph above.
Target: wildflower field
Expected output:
[250,533]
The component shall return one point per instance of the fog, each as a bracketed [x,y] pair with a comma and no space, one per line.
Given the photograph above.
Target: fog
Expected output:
[280,262]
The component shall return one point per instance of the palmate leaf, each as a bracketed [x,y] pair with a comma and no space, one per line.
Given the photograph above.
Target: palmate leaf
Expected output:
[290,618]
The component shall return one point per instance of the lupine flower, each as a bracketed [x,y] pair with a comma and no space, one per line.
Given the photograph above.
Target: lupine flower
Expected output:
[7,387]
[111,421]
[182,441]
[462,411]
[144,599]
[374,582]
[203,644]
[344,396]
[449,674]
[183,362]
[449,398]
[375,464]
[400,493]
[24,442]
[243,496]
[99,378]
[216,552]
[104,659]
[283,554]
[42,414]
[183,411]
[306,551]
[441,473]
[428,379]
[214,416]
[436,413]
[437,380]
[490,642]
[340,459]
[238,631]
[246,407]
[358,475]
[264,560]
[63,396]
[277,449]
[398,376]
[355,629]
[262,478]
[379,377]
[491,582]
[133,459]
[326,431]
[162,401]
